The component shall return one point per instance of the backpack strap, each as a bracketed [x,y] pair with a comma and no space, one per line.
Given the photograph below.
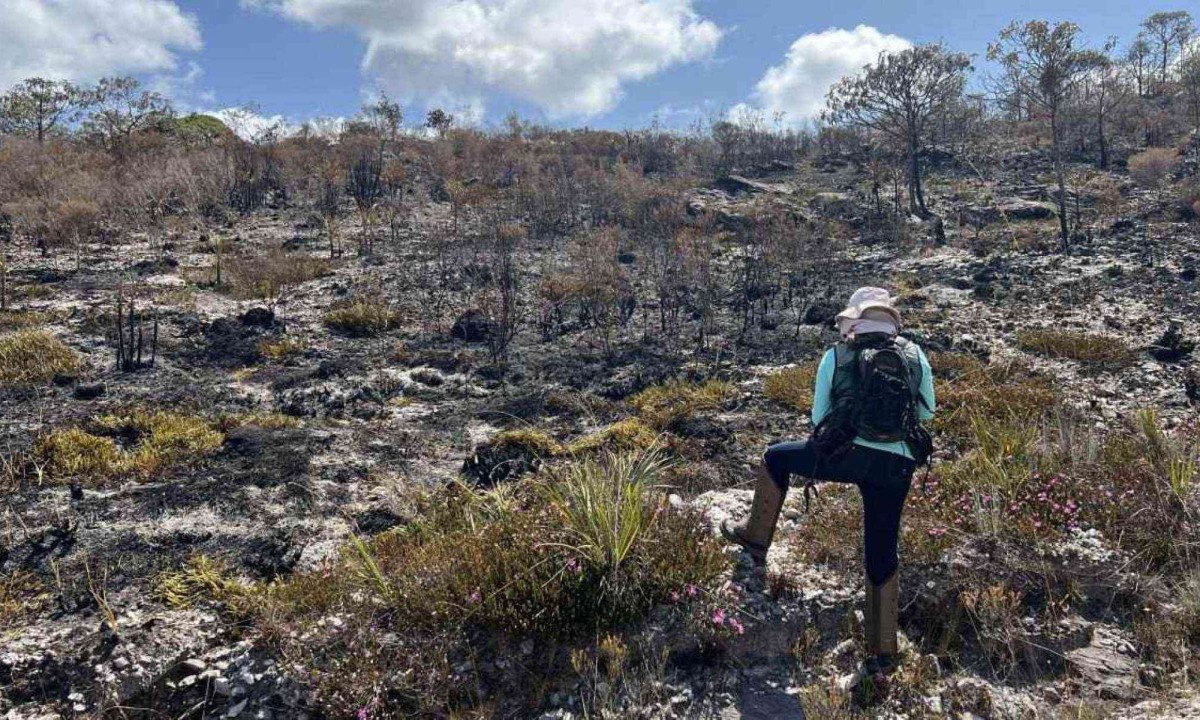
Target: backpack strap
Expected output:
[912,361]
[845,375]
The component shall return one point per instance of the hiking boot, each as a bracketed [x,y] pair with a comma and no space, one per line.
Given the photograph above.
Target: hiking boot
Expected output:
[881,624]
[755,532]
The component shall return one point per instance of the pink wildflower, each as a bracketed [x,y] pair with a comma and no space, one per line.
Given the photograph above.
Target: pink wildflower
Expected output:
[718,617]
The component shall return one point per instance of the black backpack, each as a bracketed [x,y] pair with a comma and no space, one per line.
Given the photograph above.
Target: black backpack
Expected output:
[876,388]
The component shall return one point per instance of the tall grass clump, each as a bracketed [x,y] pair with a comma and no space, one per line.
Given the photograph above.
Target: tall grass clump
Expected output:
[34,357]
[583,549]
[605,505]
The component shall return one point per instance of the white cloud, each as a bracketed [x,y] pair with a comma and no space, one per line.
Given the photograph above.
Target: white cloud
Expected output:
[569,57]
[797,87]
[86,39]
[248,124]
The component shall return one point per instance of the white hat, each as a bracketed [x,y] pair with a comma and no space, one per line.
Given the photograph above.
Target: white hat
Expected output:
[867,298]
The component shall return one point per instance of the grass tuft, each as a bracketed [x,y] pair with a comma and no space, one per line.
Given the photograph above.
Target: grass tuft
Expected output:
[792,386]
[628,435]
[664,405]
[1079,346]
[21,320]
[22,596]
[139,443]
[363,318]
[34,357]
[282,349]
[203,580]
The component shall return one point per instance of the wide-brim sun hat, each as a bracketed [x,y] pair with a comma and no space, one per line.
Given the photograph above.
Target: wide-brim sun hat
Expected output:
[870,298]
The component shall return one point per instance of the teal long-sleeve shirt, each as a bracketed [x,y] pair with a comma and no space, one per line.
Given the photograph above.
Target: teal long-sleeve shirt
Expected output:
[823,391]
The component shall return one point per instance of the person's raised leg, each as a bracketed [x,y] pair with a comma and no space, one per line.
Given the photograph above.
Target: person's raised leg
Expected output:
[772,477]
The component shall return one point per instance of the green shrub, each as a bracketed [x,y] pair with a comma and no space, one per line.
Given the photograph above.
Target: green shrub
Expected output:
[34,357]
[583,551]
[1080,346]
[363,318]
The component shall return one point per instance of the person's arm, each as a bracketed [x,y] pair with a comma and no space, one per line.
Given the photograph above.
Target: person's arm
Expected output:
[823,387]
[926,409]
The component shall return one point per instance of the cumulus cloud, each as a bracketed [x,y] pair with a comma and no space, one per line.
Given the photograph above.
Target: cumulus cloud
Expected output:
[249,124]
[569,57]
[797,87]
[85,39]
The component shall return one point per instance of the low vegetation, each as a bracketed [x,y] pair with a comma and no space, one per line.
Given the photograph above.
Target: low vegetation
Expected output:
[792,387]
[967,387]
[366,317]
[270,276]
[1088,348]
[664,405]
[34,357]
[390,623]
[138,443]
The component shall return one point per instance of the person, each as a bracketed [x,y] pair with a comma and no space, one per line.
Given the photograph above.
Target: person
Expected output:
[880,463]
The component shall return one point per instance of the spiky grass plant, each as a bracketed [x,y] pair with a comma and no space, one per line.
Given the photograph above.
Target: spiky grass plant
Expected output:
[608,504]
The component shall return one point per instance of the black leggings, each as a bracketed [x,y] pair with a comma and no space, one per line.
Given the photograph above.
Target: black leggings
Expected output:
[883,479]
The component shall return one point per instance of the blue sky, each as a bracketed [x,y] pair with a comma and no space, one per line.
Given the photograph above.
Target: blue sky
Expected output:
[603,63]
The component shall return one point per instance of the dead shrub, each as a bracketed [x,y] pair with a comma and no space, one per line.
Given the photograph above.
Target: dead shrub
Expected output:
[268,277]
[1153,165]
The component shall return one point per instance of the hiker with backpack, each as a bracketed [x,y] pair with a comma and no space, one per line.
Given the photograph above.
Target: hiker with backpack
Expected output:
[873,390]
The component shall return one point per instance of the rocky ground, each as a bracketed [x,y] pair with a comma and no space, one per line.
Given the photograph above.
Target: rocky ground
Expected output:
[379,418]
